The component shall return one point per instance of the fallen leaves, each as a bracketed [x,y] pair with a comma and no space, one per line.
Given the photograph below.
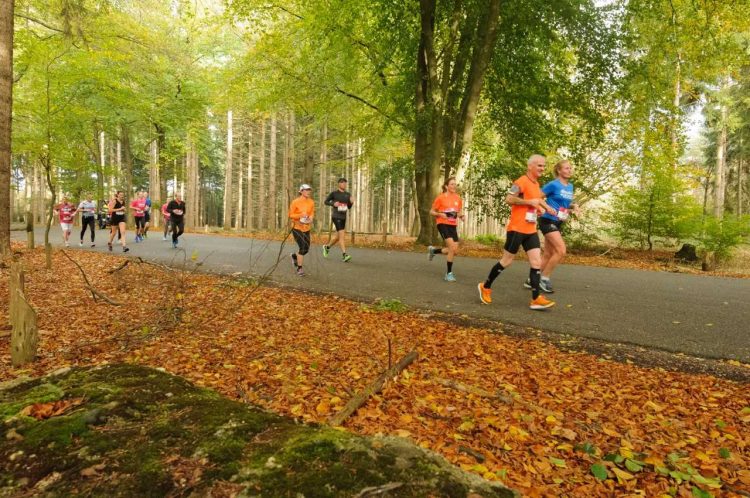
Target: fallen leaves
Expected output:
[541,420]
[41,411]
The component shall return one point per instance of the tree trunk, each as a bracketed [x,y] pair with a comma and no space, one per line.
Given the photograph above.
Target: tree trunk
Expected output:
[262,193]
[272,194]
[154,184]
[6,103]
[192,206]
[719,177]
[228,175]
[322,173]
[127,160]
[249,200]
[286,178]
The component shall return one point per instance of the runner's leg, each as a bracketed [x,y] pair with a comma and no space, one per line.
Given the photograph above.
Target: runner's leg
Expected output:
[557,251]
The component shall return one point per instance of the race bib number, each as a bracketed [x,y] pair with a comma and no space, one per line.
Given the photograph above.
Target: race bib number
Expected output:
[563,214]
[531,215]
[178,212]
[139,211]
[342,208]
[451,214]
[305,220]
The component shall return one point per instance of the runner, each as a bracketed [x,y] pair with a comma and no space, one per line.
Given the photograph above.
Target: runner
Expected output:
[559,194]
[301,212]
[342,202]
[116,210]
[165,214]
[147,215]
[176,210]
[447,210]
[139,214]
[87,209]
[526,202]
[66,211]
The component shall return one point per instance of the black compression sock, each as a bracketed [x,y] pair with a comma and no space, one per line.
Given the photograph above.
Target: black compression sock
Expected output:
[450,266]
[535,275]
[494,272]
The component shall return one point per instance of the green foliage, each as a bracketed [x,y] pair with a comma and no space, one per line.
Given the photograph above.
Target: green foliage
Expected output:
[488,239]
[660,208]
[722,236]
[394,304]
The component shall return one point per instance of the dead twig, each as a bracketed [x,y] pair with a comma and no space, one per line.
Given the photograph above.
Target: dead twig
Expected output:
[383,490]
[120,267]
[94,292]
[374,388]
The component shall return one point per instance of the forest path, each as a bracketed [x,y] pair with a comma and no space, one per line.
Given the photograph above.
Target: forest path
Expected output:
[692,314]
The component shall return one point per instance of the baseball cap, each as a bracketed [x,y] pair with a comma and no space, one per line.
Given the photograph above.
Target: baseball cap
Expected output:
[304,186]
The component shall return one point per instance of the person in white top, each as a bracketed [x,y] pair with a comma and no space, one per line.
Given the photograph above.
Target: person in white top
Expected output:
[87,208]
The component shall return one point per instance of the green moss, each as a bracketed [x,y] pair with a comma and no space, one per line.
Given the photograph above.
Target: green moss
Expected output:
[55,431]
[42,393]
[150,430]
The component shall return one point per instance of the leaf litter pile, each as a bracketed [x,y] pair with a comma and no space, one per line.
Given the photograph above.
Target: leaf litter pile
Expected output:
[543,421]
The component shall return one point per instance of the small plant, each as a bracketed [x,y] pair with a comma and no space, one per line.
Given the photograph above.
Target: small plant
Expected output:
[488,239]
[722,235]
[395,305]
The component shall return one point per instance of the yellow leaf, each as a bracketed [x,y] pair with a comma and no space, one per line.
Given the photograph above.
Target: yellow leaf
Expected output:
[702,456]
[550,419]
[626,452]
[622,476]
[405,418]
[323,407]
[402,433]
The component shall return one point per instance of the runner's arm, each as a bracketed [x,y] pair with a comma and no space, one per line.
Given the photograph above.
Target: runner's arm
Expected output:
[329,200]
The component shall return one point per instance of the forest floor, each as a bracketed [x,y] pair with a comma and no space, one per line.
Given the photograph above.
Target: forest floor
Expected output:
[608,256]
[540,418]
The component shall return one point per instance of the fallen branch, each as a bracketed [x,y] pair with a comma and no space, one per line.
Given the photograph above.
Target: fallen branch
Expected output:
[374,388]
[94,292]
[118,268]
[507,399]
[383,490]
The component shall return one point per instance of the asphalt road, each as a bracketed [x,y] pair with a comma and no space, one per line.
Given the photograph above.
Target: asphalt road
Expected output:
[692,314]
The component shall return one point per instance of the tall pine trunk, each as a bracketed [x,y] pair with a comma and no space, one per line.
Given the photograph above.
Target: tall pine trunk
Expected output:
[228,175]
[263,194]
[272,194]
[6,102]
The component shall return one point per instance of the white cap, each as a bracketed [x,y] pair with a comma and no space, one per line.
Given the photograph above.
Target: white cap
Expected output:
[304,186]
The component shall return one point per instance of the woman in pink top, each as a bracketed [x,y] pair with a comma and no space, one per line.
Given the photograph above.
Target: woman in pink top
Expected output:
[139,214]
[167,224]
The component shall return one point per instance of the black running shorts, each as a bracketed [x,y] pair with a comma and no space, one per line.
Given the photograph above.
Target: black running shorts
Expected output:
[514,240]
[339,223]
[303,241]
[548,226]
[448,231]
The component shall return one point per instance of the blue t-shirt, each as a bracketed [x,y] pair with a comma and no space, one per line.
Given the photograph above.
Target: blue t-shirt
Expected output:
[558,196]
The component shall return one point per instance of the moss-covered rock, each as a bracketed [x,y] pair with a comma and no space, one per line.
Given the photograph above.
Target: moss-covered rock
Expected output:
[143,432]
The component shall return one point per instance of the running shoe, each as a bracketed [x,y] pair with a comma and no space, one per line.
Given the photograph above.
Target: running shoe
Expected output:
[449,277]
[300,272]
[346,258]
[541,303]
[527,283]
[430,253]
[109,246]
[325,251]
[485,295]
[67,245]
[164,239]
[93,245]
[80,244]
[546,286]
[174,244]
[125,249]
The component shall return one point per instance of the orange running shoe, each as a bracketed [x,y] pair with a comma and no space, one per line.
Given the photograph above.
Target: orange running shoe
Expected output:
[485,295]
[541,303]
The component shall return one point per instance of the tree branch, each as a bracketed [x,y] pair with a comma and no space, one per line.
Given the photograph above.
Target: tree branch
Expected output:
[41,23]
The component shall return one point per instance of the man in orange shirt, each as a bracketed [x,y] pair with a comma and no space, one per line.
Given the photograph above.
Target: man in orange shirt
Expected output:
[301,212]
[526,203]
[447,210]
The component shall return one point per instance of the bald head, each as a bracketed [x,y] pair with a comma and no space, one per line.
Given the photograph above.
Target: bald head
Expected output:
[535,166]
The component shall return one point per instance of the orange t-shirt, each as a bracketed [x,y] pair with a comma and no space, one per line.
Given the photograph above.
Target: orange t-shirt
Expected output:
[449,204]
[299,208]
[523,217]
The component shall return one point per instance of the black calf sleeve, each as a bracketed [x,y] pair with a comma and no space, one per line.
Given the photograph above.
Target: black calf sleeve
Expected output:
[494,272]
[535,274]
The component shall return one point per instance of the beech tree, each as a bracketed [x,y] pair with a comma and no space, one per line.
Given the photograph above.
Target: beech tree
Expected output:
[6,105]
